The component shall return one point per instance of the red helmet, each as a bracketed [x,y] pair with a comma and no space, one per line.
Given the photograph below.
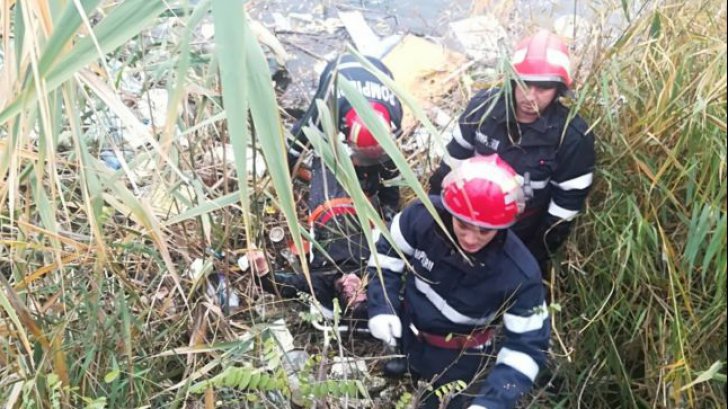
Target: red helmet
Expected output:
[543,58]
[360,139]
[484,191]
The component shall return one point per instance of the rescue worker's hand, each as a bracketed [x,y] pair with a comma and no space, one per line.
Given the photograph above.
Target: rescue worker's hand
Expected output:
[352,289]
[386,327]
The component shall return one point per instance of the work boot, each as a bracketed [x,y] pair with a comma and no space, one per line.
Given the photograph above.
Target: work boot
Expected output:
[395,367]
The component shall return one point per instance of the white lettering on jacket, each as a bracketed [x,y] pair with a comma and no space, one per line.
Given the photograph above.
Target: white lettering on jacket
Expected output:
[376,91]
[421,256]
[485,140]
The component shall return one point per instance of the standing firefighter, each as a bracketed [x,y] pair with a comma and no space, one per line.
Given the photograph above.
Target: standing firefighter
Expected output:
[550,148]
[332,218]
[457,293]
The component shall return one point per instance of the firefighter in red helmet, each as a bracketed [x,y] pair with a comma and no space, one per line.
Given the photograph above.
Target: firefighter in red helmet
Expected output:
[456,293]
[332,214]
[550,148]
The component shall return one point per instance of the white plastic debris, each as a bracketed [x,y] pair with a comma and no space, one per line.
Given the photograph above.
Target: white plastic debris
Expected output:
[194,271]
[479,37]
[244,263]
[163,31]
[293,363]
[234,300]
[206,30]
[216,155]
[442,118]
[153,107]
[281,22]
[348,368]
[280,331]
[363,36]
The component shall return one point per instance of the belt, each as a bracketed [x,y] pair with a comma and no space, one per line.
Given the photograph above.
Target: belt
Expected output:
[477,339]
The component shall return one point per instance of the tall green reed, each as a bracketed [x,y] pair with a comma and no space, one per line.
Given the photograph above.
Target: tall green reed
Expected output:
[645,283]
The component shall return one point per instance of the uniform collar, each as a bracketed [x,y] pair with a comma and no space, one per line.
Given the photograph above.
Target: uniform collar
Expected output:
[486,257]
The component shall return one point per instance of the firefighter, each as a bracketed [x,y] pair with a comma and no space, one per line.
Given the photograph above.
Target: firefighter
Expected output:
[550,148]
[375,170]
[459,292]
[332,217]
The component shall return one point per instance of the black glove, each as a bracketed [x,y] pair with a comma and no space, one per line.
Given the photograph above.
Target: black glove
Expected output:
[388,212]
[437,178]
[368,179]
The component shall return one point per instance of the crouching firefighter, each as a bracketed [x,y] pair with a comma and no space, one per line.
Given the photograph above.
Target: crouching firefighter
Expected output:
[337,270]
[377,174]
[460,292]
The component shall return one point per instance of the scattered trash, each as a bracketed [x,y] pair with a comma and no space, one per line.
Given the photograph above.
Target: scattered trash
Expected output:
[206,30]
[364,38]
[306,23]
[283,336]
[258,259]
[221,293]
[152,107]
[294,362]
[288,255]
[218,288]
[425,70]
[442,118]
[163,31]
[348,368]
[244,263]
[276,234]
[215,156]
[195,270]
[479,37]
[281,22]
[234,300]
[109,158]
[131,82]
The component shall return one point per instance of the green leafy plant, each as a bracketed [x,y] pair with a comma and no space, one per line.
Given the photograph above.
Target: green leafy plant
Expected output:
[245,378]
[446,391]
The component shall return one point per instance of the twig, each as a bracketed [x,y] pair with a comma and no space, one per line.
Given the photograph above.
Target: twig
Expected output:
[305,50]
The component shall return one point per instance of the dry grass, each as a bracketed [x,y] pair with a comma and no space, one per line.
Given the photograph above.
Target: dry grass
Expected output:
[96,308]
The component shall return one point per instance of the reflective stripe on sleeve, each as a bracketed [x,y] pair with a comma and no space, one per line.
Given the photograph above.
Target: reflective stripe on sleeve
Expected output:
[581,182]
[398,238]
[457,135]
[562,213]
[519,361]
[539,184]
[520,325]
[389,263]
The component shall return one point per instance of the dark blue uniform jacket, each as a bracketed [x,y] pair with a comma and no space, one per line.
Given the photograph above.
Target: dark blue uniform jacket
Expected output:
[554,157]
[447,294]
